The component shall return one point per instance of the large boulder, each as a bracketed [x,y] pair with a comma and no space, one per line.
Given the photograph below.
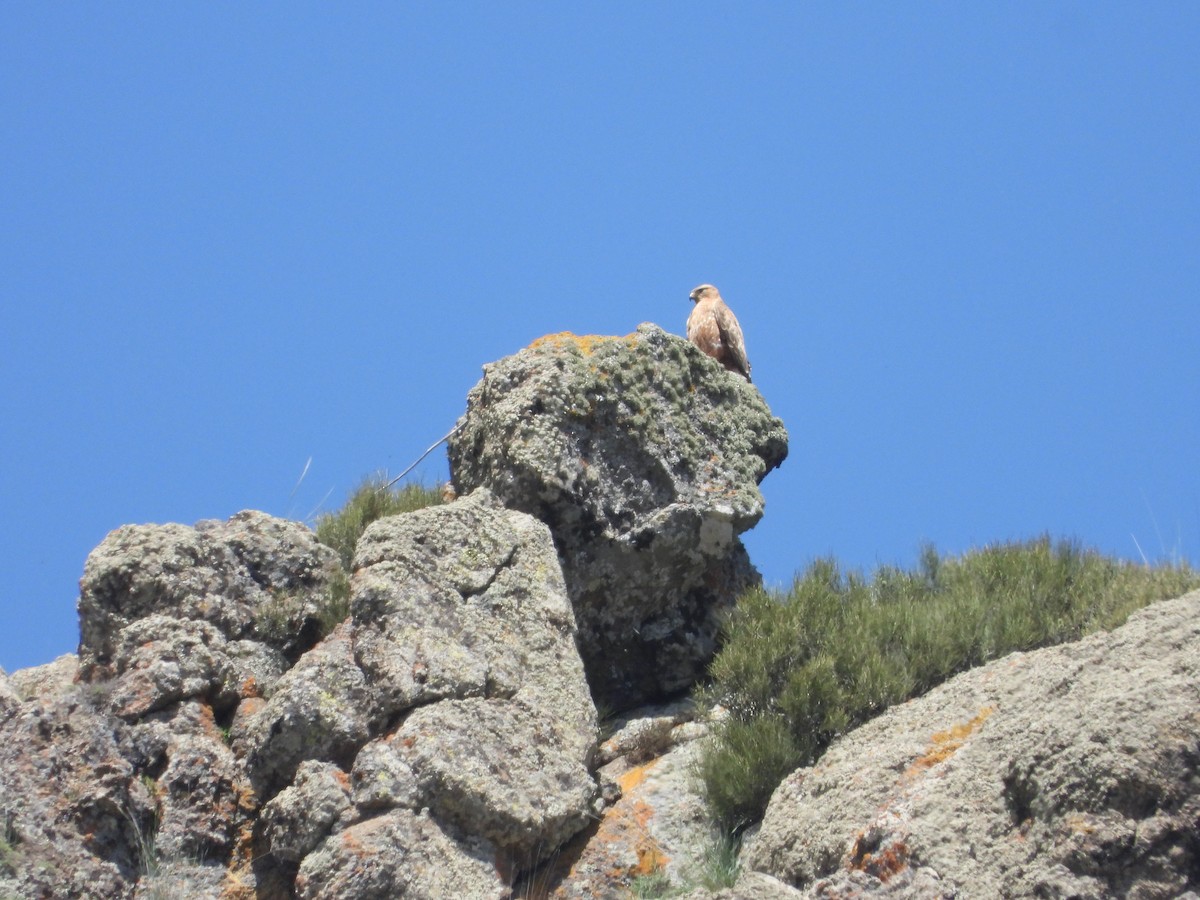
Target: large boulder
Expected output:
[253,577]
[643,456]
[461,614]
[217,743]
[1066,772]
[451,708]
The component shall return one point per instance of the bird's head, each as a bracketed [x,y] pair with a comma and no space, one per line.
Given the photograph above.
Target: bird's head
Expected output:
[704,292]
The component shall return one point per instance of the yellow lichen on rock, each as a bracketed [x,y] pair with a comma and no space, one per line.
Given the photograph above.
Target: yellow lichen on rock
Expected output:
[586,343]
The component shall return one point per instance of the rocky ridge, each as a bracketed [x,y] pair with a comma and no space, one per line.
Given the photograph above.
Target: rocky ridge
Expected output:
[214,738]
[217,736]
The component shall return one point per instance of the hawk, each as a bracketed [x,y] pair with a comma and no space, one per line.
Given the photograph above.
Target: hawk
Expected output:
[714,328]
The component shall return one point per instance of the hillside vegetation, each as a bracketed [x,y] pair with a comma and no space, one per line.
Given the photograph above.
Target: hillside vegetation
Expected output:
[799,668]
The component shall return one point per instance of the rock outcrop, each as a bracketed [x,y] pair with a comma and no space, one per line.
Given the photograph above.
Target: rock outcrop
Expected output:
[1066,772]
[643,456]
[216,736]
[243,722]
[244,719]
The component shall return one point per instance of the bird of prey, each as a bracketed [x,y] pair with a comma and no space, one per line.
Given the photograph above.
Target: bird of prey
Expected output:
[714,328]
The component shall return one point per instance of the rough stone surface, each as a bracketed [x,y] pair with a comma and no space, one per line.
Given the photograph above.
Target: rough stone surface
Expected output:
[461,611]
[499,769]
[324,708]
[759,886]
[10,697]
[300,816]
[468,600]
[214,573]
[1066,772]
[643,456]
[212,733]
[399,854]
[654,825]
[71,809]
[46,682]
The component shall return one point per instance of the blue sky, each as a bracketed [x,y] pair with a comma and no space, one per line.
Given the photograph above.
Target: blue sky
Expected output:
[240,242]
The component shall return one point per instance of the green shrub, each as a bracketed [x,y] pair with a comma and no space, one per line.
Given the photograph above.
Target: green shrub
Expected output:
[295,620]
[371,500]
[797,670]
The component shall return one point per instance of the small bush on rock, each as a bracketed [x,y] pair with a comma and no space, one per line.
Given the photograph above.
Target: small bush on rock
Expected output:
[797,670]
[371,500]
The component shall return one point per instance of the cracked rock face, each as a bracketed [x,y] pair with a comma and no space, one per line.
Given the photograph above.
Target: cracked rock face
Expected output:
[253,577]
[643,456]
[1065,772]
[452,708]
[434,744]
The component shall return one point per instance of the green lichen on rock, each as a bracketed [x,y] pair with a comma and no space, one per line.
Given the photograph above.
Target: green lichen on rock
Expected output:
[644,457]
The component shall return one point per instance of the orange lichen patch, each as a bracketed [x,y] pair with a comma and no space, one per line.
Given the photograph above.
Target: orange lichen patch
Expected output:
[208,723]
[879,861]
[586,343]
[650,857]
[250,688]
[635,776]
[627,826]
[342,779]
[239,876]
[944,744]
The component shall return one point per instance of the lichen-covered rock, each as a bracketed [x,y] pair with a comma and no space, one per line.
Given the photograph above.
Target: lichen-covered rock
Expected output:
[468,600]
[383,778]
[10,699]
[205,800]
[655,827]
[72,811]
[399,854]
[187,879]
[251,577]
[759,886]
[499,769]
[46,682]
[1065,772]
[643,456]
[299,817]
[324,708]
[461,610]
[648,732]
[161,660]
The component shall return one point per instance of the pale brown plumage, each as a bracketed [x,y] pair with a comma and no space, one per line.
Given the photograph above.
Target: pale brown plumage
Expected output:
[714,328]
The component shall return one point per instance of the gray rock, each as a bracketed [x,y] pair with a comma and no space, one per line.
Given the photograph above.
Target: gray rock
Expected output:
[46,682]
[71,809]
[160,660]
[499,769]
[658,827]
[643,456]
[399,854]
[383,778]
[10,699]
[1069,771]
[758,886]
[324,709]
[251,577]
[206,803]
[468,600]
[646,732]
[186,879]
[462,610]
[301,815]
